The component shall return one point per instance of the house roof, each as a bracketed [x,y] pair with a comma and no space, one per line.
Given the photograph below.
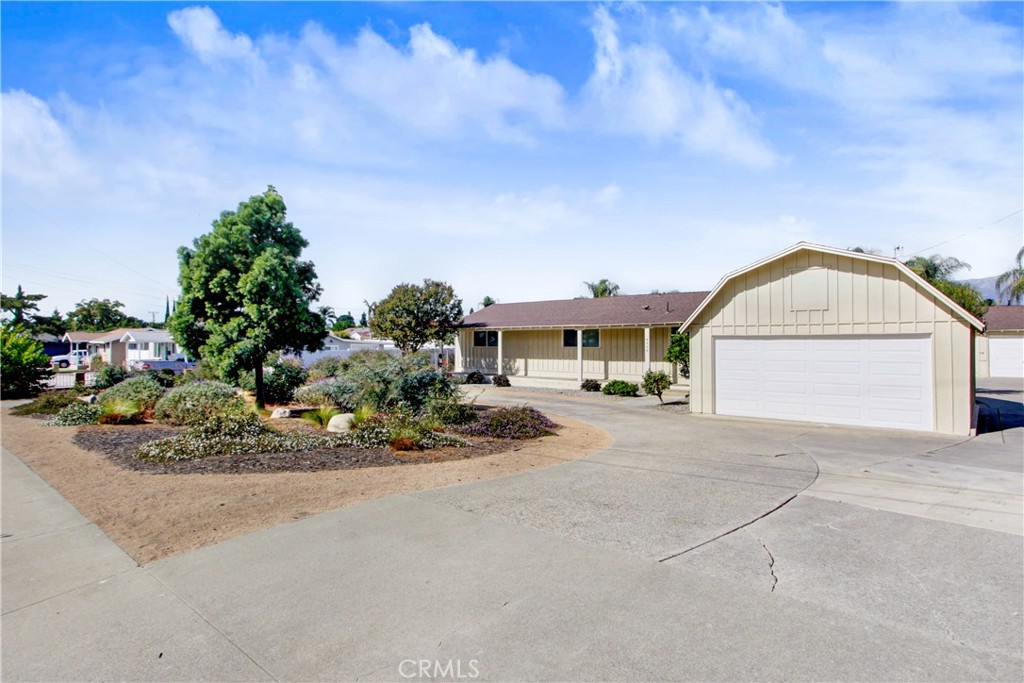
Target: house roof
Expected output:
[82,336]
[638,310]
[146,334]
[799,246]
[1004,318]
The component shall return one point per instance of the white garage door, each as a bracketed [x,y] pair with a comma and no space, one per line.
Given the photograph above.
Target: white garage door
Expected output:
[1006,356]
[870,381]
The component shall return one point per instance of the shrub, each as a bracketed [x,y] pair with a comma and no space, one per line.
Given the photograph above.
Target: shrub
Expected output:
[590,385]
[519,422]
[142,390]
[165,378]
[678,352]
[49,403]
[475,377]
[109,375]
[77,413]
[321,416]
[500,381]
[280,383]
[336,391]
[23,365]
[618,387]
[383,429]
[192,403]
[655,383]
[119,411]
[451,411]
[331,366]
[416,389]
[203,371]
[362,414]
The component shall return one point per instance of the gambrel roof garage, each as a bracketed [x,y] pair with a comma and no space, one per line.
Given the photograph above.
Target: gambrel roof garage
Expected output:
[828,335]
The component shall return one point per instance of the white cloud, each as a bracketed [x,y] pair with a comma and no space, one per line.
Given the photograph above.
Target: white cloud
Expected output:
[200,29]
[36,148]
[639,89]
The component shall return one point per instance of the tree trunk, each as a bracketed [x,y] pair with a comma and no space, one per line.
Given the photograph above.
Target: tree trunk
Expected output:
[261,402]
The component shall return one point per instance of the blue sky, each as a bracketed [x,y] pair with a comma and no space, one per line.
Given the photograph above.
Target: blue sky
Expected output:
[513,150]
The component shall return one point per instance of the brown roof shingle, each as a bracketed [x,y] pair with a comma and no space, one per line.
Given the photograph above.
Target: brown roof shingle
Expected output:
[632,310]
[1004,318]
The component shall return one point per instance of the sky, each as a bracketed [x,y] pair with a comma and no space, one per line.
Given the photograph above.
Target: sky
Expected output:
[513,150]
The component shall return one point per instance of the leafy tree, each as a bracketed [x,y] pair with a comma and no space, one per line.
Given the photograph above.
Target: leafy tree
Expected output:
[488,301]
[100,315]
[362,320]
[24,364]
[245,293]
[678,352]
[344,322]
[656,383]
[603,287]
[50,324]
[939,270]
[1011,283]
[412,315]
[21,305]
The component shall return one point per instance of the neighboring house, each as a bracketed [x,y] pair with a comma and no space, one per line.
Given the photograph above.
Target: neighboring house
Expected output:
[817,334]
[52,345]
[1000,351]
[359,333]
[125,346]
[336,346]
[619,337]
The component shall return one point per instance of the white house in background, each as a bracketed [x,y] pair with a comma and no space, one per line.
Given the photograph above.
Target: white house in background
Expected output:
[336,346]
[359,333]
[1000,351]
[125,346]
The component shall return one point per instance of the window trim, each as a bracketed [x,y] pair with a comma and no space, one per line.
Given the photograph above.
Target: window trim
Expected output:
[488,336]
[596,331]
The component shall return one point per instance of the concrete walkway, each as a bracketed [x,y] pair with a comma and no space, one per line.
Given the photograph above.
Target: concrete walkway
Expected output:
[692,549]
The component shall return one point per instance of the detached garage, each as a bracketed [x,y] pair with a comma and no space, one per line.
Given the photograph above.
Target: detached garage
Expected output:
[1001,350]
[826,335]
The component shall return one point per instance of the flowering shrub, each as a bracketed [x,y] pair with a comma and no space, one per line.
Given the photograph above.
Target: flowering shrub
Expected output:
[520,422]
[656,383]
[618,387]
[380,430]
[192,403]
[142,390]
[78,413]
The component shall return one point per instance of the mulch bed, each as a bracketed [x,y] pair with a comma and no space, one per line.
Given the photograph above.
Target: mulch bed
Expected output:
[119,443]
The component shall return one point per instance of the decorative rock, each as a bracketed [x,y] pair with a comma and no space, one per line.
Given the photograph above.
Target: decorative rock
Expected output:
[280,413]
[91,398]
[340,423]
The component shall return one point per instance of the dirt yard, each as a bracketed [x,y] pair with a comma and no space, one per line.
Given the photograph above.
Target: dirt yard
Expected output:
[152,516]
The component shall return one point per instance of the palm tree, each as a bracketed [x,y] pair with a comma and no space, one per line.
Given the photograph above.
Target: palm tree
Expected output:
[603,287]
[1011,283]
[935,267]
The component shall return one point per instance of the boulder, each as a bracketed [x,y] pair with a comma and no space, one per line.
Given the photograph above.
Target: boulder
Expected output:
[340,423]
[281,413]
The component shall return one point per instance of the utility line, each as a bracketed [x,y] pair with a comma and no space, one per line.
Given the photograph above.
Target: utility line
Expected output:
[982,227]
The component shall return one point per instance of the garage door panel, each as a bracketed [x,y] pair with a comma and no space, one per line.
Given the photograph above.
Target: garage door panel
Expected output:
[861,381]
[1006,356]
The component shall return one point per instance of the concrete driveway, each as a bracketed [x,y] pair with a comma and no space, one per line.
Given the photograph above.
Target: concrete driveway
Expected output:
[692,549]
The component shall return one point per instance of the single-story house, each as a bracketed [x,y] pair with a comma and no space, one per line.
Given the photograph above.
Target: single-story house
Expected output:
[126,346]
[337,346]
[812,333]
[1000,351]
[619,337]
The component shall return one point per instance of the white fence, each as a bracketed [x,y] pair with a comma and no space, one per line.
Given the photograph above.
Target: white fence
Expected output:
[67,380]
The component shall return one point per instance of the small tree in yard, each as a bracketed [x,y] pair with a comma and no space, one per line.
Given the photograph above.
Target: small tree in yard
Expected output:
[23,365]
[245,293]
[656,383]
[412,315]
[678,352]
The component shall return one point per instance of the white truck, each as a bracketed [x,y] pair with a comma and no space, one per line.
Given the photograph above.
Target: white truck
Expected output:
[76,359]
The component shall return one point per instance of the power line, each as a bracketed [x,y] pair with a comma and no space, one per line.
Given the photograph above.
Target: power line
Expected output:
[973,230]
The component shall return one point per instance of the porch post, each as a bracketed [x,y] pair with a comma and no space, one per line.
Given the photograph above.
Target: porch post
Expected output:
[579,355]
[501,351]
[647,349]
[458,352]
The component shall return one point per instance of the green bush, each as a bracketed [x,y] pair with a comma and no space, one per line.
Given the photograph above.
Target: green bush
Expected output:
[678,352]
[202,372]
[332,366]
[142,390]
[618,387]
[49,403]
[165,378]
[193,403]
[383,429]
[590,385]
[501,381]
[655,383]
[119,411]
[77,413]
[336,391]
[109,375]
[451,411]
[280,384]
[474,377]
[517,422]
[23,365]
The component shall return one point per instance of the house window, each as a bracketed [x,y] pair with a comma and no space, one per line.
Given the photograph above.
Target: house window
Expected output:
[144,346]
[591,338]
[132,346]
[485,338]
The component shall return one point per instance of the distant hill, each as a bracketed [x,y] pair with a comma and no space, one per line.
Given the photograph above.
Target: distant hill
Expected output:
[985,285]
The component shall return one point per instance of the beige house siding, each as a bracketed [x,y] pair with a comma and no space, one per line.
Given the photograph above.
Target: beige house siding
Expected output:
[539,353]
[813,293]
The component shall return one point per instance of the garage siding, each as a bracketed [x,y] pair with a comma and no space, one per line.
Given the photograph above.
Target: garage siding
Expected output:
[856,297]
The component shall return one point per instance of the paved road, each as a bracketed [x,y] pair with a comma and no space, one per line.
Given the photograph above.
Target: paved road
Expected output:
[692,549]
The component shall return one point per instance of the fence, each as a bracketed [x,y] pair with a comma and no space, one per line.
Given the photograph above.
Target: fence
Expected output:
[67,380]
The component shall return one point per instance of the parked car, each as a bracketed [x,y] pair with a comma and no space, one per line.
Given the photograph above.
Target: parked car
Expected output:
[175,366]
[76,359]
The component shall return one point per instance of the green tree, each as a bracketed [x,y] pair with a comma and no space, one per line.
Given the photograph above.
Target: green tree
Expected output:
[344,322]
[488,301]
[603,287]
[656,383]
[362,320]
[21,305]
[50,324]
[100,315]
[24,364]
[678,352]
[939,270]
[245,293]
[1011,283]
[412,315]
